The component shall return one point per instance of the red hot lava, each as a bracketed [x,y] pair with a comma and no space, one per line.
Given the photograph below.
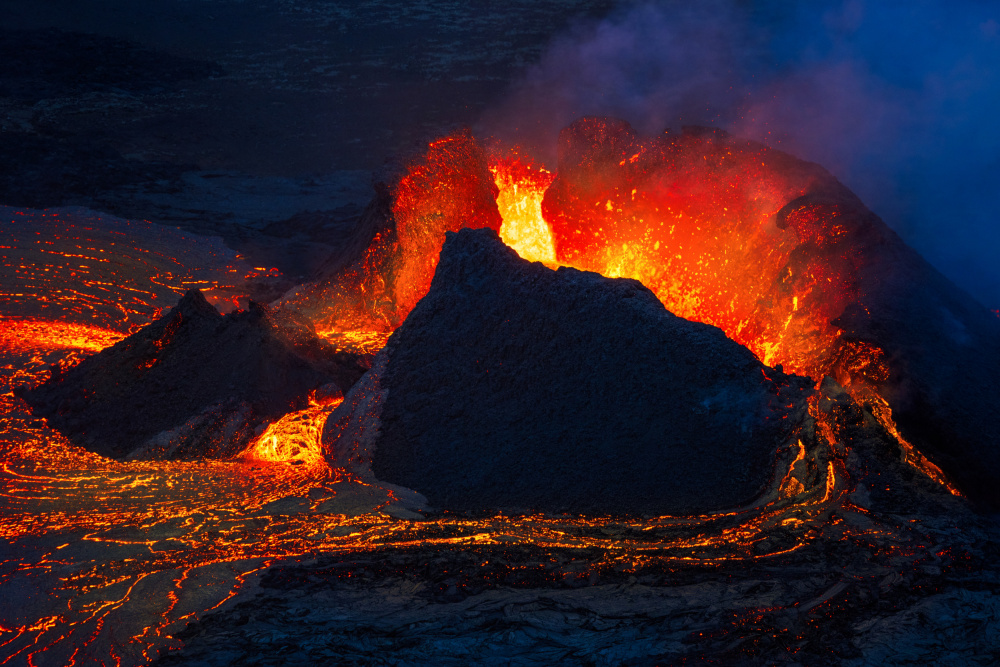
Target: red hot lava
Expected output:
[448,188]
[772,250]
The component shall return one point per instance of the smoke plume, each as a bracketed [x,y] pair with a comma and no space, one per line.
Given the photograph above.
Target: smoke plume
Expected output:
[897,98]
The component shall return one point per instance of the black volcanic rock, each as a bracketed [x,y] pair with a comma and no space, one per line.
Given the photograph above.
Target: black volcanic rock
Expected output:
[192,384]
[514,386]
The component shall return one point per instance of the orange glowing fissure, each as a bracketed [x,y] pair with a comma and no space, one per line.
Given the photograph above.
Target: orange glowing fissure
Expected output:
[182,538]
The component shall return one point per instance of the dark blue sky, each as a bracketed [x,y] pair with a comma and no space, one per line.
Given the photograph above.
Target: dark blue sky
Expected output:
[898,98]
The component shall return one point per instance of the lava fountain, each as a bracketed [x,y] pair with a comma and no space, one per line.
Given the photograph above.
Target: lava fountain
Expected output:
[772,250]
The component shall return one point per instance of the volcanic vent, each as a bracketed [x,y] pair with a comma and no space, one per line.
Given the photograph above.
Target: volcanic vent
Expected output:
[724,231]
[771,249]
[505,382]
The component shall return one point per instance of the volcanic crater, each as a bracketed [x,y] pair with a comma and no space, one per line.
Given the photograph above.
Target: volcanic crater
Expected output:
[671,360]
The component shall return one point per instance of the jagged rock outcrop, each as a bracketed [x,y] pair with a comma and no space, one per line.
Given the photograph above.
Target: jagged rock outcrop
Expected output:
[514,386]
[192,384]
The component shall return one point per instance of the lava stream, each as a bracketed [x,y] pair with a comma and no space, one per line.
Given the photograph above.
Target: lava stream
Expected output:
[118,557]
[123,555]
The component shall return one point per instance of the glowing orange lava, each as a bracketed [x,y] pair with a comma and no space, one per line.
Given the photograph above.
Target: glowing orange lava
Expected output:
[295,438]
[446,189]
[121,556]
[721,231]
[30,334]
[522,186]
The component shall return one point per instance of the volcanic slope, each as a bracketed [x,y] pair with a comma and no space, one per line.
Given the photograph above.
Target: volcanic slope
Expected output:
[192,384]
[517,387]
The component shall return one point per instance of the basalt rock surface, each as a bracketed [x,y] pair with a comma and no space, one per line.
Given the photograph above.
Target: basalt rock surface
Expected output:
[517,387]
[192,384]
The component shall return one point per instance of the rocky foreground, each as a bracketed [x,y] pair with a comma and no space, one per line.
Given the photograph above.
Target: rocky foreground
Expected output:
[844,601]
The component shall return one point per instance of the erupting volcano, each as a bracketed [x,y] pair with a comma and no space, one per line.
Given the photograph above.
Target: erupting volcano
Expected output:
[771,249]
[762,371]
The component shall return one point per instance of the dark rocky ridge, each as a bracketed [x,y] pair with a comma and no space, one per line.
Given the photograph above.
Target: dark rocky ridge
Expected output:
[192,384]
[513,386]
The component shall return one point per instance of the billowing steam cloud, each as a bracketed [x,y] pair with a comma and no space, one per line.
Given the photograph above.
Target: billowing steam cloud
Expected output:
[899,99]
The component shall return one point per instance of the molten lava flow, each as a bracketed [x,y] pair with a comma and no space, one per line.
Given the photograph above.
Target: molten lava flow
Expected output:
[295,438]
[361,342]
[103,271]
[883,414]
[522,186]
[32,334]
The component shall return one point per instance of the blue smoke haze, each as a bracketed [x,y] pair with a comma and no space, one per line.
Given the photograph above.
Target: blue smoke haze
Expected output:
[898,99]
